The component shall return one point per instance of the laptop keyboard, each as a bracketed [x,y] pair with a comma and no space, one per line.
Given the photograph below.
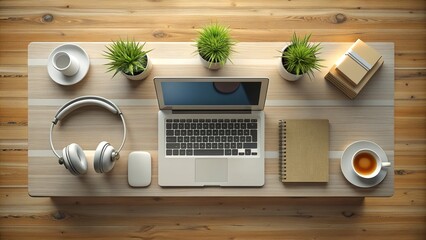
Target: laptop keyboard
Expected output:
[211,137]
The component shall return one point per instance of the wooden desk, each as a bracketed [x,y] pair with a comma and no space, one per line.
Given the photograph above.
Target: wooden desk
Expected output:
[370,116]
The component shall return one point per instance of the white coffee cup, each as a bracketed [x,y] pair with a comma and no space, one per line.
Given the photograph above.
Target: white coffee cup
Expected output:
[65,63]
[367,164]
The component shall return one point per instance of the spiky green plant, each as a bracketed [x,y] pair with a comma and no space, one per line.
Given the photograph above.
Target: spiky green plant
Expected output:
[301,56]
[214,43]
[126,56]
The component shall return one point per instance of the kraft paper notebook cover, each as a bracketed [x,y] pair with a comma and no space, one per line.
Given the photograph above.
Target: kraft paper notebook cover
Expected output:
[303,150]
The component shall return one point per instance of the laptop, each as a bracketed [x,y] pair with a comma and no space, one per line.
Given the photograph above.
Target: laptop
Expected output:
[211,131]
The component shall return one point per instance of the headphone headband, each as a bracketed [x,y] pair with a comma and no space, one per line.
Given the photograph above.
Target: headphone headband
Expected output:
[83,101]
[79,102]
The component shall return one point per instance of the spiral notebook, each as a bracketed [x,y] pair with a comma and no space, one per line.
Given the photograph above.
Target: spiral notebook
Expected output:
[303,150]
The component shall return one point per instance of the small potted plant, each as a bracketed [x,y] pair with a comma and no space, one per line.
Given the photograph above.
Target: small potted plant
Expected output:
[299,58]
[129,58]
[214,45]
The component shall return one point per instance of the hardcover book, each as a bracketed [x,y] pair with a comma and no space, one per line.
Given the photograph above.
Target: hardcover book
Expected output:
[357,62]
[355,69]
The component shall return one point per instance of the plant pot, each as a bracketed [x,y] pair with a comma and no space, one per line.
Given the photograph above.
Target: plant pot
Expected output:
[283,72]
[210,65]
[143,74]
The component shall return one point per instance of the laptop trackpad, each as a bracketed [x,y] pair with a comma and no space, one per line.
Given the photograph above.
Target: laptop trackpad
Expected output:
[211,169]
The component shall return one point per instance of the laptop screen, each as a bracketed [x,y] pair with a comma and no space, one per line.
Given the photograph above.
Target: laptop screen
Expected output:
[211,93]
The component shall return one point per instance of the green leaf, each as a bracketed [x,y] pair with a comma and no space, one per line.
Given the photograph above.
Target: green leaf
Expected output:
[214,43]
[126,56]
[300,57]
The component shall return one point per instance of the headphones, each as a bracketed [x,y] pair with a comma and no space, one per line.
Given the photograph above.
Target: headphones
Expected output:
[72,155]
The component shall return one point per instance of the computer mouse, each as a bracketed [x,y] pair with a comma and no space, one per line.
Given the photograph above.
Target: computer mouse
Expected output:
[139,169]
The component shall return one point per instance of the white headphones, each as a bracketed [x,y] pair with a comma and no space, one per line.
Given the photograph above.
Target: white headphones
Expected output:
[72,155]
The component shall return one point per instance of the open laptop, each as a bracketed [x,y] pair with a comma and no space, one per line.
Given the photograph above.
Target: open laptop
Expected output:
[211,131]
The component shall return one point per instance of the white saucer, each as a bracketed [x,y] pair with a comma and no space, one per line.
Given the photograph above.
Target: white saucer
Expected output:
[82,58]
[346,165]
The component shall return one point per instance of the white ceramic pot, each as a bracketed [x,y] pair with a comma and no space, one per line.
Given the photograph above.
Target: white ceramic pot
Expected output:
[209,65]
[143,74]
[284,73]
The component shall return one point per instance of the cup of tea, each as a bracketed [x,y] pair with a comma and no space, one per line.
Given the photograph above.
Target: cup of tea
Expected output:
[367,163]
[65,63]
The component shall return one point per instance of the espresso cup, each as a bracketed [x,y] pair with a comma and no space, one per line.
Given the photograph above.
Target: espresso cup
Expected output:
[65,63]
[367,164]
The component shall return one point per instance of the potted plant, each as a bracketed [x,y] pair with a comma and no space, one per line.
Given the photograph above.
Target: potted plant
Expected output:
[214,45]
[129,58]
[298,58]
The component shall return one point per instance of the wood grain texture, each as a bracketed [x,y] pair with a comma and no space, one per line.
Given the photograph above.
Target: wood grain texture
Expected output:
[399,217]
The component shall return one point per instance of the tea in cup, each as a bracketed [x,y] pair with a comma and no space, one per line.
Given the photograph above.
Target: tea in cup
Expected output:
[367,164]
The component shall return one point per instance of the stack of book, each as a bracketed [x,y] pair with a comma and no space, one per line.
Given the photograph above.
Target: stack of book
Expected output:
[355,68]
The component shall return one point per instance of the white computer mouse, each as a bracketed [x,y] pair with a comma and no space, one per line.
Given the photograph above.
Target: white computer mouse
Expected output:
[139,169]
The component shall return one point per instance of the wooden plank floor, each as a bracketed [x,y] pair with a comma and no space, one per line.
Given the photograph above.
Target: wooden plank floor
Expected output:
[402,216]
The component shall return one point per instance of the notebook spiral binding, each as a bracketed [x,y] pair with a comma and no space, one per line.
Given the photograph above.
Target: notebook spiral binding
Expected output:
[282,149]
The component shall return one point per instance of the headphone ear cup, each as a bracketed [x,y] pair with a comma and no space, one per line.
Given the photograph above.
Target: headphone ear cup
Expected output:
[103,161]
[74,159]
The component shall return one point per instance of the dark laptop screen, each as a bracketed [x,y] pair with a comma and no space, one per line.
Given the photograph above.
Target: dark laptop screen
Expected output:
[211,93]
